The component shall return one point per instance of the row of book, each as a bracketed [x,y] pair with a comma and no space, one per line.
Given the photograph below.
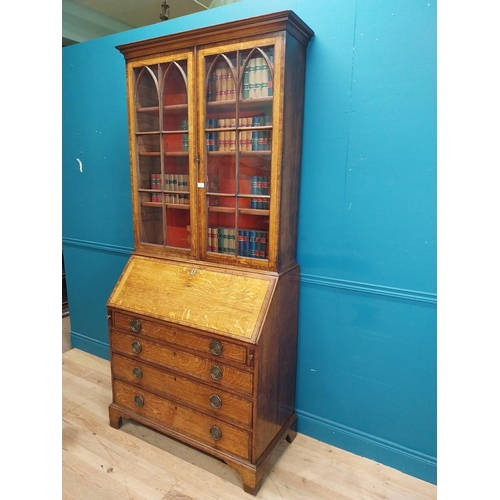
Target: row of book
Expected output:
[257,80]
[247,121]
[173,182]
[259,184]
[249,140]
[174,199]
[251,243]
[185,137]
[260,140]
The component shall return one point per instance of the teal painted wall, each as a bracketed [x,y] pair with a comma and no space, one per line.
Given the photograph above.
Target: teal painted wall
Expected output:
[366,377]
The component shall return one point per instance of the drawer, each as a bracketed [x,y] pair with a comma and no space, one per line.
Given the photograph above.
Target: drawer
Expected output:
[203,428]
[205,369]
[209,399]
[175,335]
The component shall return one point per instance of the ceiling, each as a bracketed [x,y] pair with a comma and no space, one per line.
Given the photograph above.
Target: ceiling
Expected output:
[87,19]
[138,13]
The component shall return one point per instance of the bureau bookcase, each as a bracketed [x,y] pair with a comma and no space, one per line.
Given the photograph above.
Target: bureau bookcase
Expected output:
[203,319]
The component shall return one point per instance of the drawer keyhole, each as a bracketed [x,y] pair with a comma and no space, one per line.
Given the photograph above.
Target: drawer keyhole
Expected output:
[215,372]
[135,325]
[215,432]
[216,347]
[136,346]
[215,401]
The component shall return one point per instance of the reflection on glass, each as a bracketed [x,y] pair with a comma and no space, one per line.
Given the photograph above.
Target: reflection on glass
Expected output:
[238,137]
[162,138]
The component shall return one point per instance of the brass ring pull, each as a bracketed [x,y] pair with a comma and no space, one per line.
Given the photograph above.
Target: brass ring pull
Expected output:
[137,372]
[135,325]
[138,401]
[215,432]
[215,372]
[215,401]
[216,347]
[136,346]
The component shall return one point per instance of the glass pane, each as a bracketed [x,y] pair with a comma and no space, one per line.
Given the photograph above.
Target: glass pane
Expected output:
[220,71]
[176,154]
[221,224]
[174,96]
[162,137]
[148,159]
[257,67]
[151,218]
[178,224]
[146,99]
[238,160]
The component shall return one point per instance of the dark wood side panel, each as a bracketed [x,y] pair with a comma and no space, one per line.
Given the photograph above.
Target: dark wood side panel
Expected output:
[293,111]
[276,364]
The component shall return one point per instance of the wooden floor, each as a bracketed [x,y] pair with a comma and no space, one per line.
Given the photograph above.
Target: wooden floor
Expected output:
[101,463]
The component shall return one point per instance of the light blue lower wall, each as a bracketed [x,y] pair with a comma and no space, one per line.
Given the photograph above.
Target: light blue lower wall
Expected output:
[366,378]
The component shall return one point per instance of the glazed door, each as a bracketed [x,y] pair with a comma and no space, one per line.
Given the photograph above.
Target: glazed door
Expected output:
[162,129]
[239,144]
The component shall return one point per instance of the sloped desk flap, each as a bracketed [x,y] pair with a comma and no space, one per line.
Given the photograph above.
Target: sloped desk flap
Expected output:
[230,303]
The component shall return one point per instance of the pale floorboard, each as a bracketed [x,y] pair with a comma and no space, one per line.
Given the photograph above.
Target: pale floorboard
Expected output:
[99,462]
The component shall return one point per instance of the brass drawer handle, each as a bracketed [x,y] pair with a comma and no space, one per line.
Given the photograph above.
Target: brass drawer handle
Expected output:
[135,325]
[136,346]
[138,400]
[215,372]
[137,372]
[216,347]
[215,401]
[215,432]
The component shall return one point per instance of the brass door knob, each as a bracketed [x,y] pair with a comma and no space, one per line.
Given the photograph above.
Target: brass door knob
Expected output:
[215,372]
[138,401]
[216,347]
[215,401]
[137,372]
[215,432]
[136,346]
[135,325]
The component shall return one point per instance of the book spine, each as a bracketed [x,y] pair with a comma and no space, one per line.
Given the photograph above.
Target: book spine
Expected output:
[231,90]
[245,90]
[270,76]
[220,240]
[218,84]
[240,242]
[258,77]
[211,87]
[263,245]
[232,242]
[265,78]
[251,78]
[255,140]
[251,244]
[223,78]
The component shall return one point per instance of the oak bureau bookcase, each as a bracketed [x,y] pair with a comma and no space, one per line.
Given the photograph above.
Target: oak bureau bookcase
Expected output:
[203,319]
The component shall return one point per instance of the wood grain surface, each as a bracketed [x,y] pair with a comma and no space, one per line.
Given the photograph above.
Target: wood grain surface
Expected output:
[194,296]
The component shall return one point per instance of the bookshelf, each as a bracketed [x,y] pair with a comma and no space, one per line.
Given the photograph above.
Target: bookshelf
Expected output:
[208,300]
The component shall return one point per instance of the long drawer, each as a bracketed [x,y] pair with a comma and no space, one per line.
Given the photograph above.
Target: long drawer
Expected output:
[176,335]
[209,399]
[206,429]
[205,369]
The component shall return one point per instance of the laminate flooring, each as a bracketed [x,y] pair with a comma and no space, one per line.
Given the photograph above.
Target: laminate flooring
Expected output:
[135,462]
